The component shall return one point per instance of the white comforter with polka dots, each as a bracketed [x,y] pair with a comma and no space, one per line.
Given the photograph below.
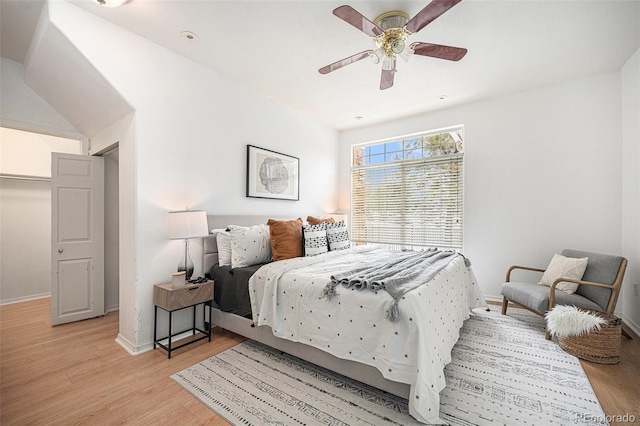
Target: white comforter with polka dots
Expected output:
[286,296]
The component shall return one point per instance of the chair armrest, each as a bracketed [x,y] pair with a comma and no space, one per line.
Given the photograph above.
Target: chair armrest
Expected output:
[552,289]
[526,268]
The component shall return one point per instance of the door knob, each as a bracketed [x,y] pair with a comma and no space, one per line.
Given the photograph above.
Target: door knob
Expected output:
[60,250]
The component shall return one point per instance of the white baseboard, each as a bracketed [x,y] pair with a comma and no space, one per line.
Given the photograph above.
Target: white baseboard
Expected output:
[631,324]
[130,347]
[493,298]
[137,350]
[112,308]
[126,345]
[24,299]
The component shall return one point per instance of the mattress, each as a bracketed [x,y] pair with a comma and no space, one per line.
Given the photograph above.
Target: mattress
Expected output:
[288,297]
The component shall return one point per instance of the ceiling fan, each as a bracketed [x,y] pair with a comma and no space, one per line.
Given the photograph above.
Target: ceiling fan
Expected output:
[390,32]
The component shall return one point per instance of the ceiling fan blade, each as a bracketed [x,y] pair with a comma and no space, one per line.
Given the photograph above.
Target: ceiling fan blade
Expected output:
[355,18]
[386,79]
[449,53]
[429,14]
[344,62]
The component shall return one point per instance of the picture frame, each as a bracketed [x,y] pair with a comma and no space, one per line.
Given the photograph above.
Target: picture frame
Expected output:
[272,174]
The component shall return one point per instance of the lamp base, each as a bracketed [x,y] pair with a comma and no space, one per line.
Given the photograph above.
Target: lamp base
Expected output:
[186,264]
[188,271]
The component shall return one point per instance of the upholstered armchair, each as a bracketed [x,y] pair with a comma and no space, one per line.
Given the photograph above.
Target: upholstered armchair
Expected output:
[598,288]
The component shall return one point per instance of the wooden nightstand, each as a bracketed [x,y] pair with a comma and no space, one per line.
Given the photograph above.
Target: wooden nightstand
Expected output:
[172,299]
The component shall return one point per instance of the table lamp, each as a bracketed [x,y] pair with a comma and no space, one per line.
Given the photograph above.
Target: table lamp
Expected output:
[184,225]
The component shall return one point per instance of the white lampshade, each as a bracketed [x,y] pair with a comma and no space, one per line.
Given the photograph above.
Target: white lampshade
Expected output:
[407,53]
[188,224]
[388,62]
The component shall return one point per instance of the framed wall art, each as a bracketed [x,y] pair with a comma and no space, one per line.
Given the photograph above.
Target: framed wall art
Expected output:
[271,174]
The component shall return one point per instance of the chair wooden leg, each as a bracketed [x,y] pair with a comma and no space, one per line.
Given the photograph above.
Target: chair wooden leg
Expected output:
[505,302]
[625,334]
[547,335]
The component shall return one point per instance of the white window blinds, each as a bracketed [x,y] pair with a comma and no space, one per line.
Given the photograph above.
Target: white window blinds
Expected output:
[409,192]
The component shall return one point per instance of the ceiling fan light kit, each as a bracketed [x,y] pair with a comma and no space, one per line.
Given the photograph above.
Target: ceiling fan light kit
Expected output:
[390,32]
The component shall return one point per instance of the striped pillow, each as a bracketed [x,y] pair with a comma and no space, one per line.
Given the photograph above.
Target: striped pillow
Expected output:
[338,236]
[315,239]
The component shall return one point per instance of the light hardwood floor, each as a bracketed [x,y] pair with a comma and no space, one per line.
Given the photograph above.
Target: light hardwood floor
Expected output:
[77,374]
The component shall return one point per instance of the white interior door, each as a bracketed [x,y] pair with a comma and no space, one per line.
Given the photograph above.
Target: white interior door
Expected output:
[77,237]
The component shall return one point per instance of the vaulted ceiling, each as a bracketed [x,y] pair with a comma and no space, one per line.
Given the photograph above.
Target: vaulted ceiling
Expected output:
[277,47]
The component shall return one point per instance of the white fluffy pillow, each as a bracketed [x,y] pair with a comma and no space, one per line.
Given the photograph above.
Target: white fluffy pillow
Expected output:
[565,321]
[223,242]
[249,246]
[564,267]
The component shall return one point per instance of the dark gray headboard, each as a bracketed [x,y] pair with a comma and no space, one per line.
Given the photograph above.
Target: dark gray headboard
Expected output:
[221,222]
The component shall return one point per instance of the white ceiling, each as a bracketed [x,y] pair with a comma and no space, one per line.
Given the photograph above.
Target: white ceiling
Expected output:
[276,48]
[18,19]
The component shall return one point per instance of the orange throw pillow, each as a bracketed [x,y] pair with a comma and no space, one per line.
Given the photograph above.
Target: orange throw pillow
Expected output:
[286,238]
[315,221]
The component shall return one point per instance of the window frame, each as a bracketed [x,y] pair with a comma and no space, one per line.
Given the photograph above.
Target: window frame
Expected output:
[452,234]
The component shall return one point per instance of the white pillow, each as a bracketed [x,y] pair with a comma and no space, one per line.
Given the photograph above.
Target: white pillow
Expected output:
[223,240]
[249,246]
[564,267]
[315,239]
[337,236]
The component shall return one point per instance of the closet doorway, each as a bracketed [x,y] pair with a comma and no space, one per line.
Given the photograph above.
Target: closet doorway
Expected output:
[25,216]
[25,212]
[111,227]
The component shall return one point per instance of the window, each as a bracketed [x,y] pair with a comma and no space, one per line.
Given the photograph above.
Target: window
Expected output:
[407,192]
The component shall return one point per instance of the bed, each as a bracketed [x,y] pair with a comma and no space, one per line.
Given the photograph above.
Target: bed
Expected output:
[348,330]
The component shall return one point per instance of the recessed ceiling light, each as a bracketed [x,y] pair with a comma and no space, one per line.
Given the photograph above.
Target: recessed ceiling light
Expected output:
[189,35]
[358,117]
[110,3]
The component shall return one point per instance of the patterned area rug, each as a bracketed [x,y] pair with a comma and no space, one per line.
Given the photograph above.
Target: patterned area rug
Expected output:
[503,372]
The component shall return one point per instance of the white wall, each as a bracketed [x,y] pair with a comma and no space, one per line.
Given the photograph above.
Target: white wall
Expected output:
[25,252]
[22,108]
[191,131]
[28,153]
[542,172]
[631,188]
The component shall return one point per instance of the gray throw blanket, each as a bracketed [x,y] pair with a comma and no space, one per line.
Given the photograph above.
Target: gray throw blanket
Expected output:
[396,277]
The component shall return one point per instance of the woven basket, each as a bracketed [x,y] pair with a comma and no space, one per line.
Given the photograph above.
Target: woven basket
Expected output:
[601,347]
